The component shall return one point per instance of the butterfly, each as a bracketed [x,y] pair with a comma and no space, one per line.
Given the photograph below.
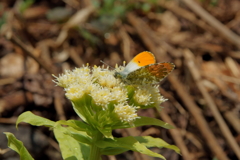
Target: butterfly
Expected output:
[143,69]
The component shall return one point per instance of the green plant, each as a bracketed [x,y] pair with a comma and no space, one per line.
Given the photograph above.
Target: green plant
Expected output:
[25,4]
[103,103]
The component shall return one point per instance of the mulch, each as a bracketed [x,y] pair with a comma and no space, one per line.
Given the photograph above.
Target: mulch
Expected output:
[200,37]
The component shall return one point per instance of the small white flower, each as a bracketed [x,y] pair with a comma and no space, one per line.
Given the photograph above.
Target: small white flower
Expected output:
[125,112]
[108,80]
[143,95]
[101,96]
[119,94]
[75,92]
[157,98]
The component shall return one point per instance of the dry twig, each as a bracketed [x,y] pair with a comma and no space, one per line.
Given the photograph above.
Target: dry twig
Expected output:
[196,113]
[223,126]
[176,134]
[223,30]
[29,51]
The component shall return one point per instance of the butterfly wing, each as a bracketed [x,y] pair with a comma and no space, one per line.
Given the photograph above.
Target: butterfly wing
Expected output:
[142,59]
[150,74]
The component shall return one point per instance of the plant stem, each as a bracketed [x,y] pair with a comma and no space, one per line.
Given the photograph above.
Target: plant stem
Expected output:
[95,151]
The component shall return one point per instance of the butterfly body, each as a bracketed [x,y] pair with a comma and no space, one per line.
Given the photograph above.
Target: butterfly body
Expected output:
[143,69]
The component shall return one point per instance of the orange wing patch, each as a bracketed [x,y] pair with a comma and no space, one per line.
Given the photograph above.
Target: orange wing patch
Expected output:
[150,74]
[144,58]
[161,70]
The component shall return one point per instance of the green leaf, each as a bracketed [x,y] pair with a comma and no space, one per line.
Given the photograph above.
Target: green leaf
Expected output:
[81,107]
[146,7]
[106,131]
[113,151]
[152,121]
[18,146]
[149,141]
[3,18]
[70,148]
[214,2]
[129,143]
[93,39]
[80,136]
[78,125]
[78,108]
[25,4]
[142,121]
[145,140]
[35,120]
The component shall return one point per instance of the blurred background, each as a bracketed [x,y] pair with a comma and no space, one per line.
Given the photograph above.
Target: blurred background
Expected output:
[201,37]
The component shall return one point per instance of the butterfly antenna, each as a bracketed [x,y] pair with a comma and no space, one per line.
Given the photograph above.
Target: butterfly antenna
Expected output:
[106,64]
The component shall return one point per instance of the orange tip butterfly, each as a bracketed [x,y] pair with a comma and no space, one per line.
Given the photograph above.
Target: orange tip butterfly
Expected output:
[143,69]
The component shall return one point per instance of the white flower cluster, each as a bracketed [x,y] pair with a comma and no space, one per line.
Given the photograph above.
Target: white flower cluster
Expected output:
[101,85]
